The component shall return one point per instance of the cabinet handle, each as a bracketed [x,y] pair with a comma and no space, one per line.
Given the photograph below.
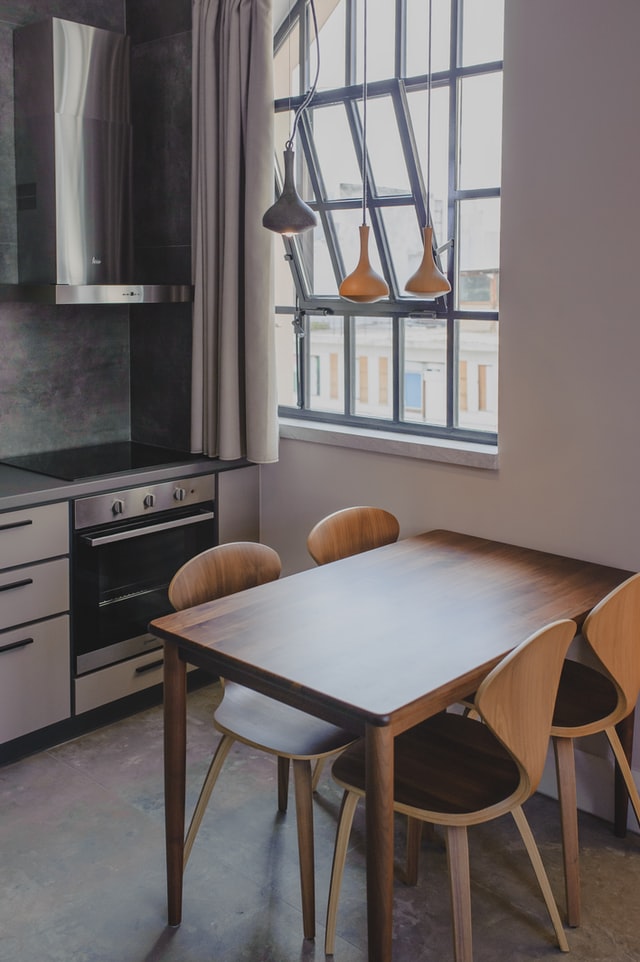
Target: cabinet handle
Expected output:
[17,584]
[16,644]
[152,664]
[15,524]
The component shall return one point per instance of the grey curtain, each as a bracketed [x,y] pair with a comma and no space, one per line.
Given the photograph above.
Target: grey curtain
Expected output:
[234,406]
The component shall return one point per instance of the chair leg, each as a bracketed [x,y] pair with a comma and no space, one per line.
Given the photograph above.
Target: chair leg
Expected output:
[624,730]
[414,839]
[567,797]
[541,875]
[345,820]
[217,762]
[317,772]
[304,820]
[283,783]
[625,769]
[460,888]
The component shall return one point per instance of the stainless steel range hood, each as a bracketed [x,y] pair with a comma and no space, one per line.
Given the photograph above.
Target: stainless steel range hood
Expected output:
[73,169]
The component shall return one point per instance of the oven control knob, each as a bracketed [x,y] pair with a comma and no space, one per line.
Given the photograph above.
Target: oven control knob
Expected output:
[149,500]
[118,506]
[179,494]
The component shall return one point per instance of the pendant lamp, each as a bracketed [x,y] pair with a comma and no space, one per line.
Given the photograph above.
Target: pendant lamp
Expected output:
[290,215]
[428,280]
[364,286]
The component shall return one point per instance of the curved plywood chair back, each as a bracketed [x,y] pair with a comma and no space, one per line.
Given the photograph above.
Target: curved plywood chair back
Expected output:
[222,571]
[516,700]
[612,629]
[351,531]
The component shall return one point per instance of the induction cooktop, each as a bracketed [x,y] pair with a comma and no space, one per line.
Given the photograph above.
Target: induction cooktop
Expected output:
[79,464]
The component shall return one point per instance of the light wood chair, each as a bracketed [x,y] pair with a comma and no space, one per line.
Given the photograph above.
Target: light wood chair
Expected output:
[591,700]
[454,771]
[351,531]
[342,534]
[252,718]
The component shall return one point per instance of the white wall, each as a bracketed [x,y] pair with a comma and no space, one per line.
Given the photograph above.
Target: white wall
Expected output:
[570,319]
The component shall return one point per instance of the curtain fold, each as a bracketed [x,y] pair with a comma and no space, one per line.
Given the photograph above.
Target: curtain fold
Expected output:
[234,403]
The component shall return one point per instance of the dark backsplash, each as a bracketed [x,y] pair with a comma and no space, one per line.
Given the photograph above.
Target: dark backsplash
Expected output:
[78,375]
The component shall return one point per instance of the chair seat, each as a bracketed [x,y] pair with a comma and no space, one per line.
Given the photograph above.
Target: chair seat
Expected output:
[448,764]
[276,728]
[585,697]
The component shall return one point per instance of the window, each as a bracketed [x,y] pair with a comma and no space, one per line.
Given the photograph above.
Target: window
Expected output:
[415,366]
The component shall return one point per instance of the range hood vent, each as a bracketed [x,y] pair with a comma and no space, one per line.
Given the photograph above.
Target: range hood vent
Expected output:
[73,169]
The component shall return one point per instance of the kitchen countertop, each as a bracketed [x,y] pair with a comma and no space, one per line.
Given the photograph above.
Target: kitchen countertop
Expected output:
[24,489]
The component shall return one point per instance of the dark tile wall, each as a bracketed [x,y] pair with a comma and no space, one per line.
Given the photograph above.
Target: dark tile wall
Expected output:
[71,376]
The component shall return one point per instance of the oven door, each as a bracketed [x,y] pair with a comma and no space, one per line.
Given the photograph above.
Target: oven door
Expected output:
[121,575]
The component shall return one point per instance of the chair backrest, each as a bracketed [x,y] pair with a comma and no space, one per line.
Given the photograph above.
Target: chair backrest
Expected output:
[516,700]
[351,531]
[222,571]
[612,629]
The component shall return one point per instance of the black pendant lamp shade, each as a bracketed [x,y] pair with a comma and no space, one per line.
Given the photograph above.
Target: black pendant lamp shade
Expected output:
[289,215]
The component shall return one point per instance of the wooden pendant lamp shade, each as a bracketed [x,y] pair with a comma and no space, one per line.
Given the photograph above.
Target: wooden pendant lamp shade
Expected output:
[364,285]
[428,279]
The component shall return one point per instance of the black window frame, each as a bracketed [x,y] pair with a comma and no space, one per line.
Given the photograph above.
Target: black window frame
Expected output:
[398,307]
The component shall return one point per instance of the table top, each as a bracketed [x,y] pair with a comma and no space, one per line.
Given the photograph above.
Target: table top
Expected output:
[373,638]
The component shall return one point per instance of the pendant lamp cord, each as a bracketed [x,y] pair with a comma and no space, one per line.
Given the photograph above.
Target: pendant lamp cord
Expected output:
[312,89]
[429,124]
[364,117]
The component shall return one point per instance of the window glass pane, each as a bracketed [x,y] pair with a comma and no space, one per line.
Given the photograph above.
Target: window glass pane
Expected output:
[388,165]
[286,363]
[478,375]
[482,31]
[285,65]
[478,254]
[380,40]
[373,367]
[418,36]
[424,385]
[340,167]
[332,45]
[347,224]
[439,151]
[326,343]
[318,268]
[480,131]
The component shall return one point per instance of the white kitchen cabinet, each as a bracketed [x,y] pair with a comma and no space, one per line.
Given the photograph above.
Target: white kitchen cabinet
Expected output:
[34,621]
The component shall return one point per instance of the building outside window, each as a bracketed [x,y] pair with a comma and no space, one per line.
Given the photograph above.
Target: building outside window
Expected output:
[403,364]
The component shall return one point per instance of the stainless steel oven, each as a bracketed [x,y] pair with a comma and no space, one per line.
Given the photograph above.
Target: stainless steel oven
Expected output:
[127,546]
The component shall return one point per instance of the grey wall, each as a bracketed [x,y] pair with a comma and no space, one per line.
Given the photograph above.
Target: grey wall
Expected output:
[71,376]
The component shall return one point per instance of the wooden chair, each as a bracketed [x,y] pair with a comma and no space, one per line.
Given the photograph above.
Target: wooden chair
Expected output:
[252,718]
[454,771]
[351,531]
[591,700]
[342,534]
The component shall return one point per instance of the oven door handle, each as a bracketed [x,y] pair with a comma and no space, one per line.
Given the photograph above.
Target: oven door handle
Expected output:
[148,529]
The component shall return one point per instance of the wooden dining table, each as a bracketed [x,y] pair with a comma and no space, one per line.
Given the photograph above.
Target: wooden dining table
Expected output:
[374,643]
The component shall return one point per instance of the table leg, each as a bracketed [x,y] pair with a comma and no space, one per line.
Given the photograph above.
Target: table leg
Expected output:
[379,814]
[175,746]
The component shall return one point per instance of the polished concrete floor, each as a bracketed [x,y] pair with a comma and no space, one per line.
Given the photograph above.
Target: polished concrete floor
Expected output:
[82,867]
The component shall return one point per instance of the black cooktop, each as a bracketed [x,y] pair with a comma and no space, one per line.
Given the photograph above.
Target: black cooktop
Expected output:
[78,464]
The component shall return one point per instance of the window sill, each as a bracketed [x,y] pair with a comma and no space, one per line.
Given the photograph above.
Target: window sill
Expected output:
[406,446]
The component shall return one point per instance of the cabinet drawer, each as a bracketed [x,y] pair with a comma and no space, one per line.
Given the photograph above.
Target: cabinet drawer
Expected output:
[36,591]
[126,678]
[34,677]
[34,534]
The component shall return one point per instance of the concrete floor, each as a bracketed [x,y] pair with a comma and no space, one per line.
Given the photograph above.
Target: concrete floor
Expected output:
[82,867]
